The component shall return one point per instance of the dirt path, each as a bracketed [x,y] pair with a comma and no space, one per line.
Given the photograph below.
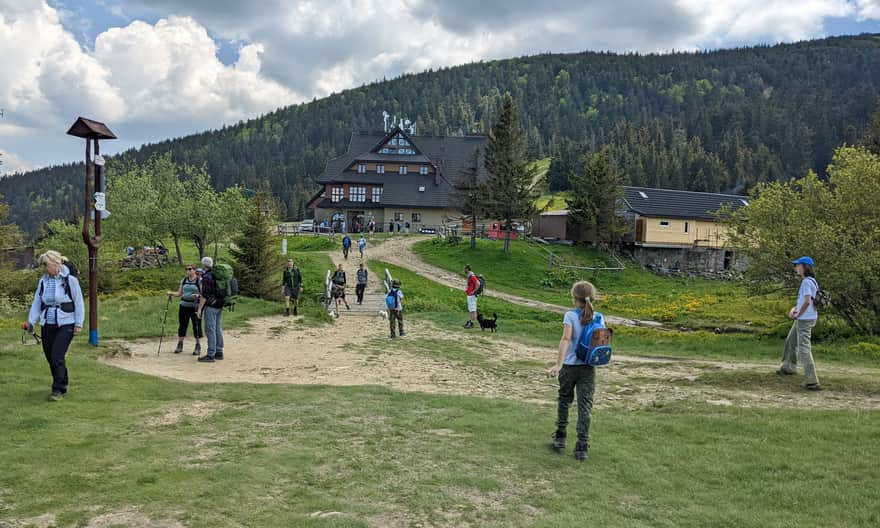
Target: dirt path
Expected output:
[355,350]
[399,251]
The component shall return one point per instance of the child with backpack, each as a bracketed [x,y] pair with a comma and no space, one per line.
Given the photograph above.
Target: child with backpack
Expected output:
[574,370]
[362,245]
[394,304]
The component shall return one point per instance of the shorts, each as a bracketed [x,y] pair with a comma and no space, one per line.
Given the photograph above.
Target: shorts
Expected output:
[293,293]
[472,303]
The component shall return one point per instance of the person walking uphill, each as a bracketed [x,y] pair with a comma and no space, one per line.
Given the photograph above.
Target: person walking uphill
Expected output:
[346,246]
[473,284]
[575,374]
[394,303]
[362,276]
[291,287]
[362,245]
[798,345]
[210,310]
[58,307]
[337,290]
[186,311]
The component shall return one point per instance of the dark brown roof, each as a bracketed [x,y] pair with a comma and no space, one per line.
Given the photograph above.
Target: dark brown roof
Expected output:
[91,129]
[449,154]
[670,203]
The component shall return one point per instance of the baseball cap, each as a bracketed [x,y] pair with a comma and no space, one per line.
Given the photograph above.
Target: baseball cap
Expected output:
[803,260]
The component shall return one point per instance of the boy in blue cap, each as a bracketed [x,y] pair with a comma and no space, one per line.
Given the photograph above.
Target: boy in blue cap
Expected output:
[798,346]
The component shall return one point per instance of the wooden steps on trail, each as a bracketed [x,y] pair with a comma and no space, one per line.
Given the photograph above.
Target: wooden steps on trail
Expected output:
[374,304]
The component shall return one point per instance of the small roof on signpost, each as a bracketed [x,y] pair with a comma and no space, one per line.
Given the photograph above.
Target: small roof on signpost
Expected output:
[90,129]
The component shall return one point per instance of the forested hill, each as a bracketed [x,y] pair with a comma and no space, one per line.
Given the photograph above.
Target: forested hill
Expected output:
[717,121]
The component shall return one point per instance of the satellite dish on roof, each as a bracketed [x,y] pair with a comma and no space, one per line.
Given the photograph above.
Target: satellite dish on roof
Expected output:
[385,116]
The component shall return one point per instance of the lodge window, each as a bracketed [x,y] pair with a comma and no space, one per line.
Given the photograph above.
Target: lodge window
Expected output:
[416,218]
[687,227]
[423,170]
[380,169]
[336,194]
[362,168]
[398,217]
[357,194]
[377,194]
[664,223]
[403,169]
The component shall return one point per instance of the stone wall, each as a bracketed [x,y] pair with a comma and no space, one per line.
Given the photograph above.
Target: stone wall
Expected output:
[691,260]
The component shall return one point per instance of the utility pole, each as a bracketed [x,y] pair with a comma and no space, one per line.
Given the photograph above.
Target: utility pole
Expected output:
[94,207]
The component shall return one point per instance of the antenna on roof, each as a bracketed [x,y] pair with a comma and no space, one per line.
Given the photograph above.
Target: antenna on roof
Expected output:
[385,116]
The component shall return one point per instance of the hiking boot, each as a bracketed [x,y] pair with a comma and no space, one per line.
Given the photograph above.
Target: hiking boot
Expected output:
[813,387]
[218,356]
[55,396]
[287,312]
[198,349]
[782,372]
[294,311]
[402,334]
[580,450]
[179,348]
[559,440]
[392,336]
[469,324]
[206,359]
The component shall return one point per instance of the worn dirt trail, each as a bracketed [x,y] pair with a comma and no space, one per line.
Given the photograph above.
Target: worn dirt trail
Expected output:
[355,350]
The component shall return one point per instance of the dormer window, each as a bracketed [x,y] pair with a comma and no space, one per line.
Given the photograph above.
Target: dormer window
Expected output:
[398,145]
[362,168]
[423,170]
[421,188]
[403,169]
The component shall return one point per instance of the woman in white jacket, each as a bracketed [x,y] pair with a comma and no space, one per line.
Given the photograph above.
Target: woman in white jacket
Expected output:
[58,307]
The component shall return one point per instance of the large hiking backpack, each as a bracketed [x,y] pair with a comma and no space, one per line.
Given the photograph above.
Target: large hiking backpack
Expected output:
[594,345]
[226,285]
[481,287]
[391,299]
[64,280]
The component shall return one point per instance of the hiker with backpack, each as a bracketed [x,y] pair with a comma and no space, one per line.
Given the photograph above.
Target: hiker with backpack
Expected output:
[219,290]
[362,276]
[798,345]
[59,309]
[575,366]
[188,292]
[362,245]
[337,289]
[394,304]
[473,289]
[346,246]
[291,287]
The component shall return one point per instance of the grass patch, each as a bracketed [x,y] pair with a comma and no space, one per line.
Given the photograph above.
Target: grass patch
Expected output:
[857,384]
[633,292]
[381,457]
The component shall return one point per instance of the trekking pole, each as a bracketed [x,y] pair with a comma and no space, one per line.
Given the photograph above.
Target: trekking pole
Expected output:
[164,318]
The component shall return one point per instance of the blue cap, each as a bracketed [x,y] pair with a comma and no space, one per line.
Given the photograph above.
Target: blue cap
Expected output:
[803,260]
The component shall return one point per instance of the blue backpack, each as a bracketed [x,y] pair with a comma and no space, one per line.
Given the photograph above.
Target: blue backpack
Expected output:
[594,345]
[391,299]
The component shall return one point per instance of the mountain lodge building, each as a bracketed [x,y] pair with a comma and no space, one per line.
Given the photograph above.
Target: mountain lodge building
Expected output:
[398,177]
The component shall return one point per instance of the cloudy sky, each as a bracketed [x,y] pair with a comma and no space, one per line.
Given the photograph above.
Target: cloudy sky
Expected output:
[154,69]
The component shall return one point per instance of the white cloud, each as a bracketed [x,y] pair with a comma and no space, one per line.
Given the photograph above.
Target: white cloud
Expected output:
[868,10]
[12,163]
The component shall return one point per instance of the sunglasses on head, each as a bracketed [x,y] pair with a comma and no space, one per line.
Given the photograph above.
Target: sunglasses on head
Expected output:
[190,269]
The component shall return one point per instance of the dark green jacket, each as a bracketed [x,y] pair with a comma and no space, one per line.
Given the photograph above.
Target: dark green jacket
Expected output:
[292,278]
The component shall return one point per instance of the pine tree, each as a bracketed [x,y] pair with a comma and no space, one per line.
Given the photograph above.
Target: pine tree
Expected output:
[598,189]
[257,258]
[509,194]
[871,139]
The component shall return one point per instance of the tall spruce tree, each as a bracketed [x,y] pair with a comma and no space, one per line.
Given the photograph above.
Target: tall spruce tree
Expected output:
[257,258]
[509,194]
[598,188]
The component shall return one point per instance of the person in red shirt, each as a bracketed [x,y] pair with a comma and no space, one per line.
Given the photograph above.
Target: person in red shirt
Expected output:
[471,292]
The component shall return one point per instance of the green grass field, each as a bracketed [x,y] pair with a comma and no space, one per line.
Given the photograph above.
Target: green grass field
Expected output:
[124,449]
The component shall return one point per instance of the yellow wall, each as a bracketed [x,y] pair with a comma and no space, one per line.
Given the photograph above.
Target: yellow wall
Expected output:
[430,217]
[700,232]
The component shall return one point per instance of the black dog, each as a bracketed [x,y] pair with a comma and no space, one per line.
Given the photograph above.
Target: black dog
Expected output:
[491,324]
